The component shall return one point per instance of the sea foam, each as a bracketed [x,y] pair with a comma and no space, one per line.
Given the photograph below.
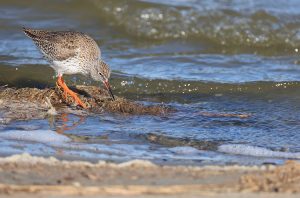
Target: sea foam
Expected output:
[240,149]
[42,136]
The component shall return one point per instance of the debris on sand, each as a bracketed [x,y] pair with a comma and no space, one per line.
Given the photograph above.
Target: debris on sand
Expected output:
[33,103]
[281,179]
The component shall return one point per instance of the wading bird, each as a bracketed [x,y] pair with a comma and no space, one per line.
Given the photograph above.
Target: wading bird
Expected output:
[70,52]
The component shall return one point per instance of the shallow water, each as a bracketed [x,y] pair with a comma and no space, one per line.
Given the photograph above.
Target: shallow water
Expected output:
[212,61]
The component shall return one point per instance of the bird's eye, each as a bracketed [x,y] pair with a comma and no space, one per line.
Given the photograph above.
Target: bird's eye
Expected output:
[100,74]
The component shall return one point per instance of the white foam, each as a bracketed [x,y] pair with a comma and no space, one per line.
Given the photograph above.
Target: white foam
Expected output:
[184,150]
[240,149]
[43,136]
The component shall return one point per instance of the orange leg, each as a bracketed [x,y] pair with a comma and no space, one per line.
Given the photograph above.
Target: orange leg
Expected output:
[67,92]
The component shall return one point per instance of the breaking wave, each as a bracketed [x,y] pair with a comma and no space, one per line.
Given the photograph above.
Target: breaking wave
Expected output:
[251,23]
[239,149]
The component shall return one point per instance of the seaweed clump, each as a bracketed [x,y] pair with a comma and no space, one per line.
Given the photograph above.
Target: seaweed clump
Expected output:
[29,103]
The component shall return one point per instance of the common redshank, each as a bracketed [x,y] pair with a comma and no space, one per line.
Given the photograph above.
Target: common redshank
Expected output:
[70,52]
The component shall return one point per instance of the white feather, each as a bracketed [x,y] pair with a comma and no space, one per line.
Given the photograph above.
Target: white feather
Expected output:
[68,66]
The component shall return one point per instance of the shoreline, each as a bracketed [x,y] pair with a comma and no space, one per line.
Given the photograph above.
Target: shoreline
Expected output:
[25,175]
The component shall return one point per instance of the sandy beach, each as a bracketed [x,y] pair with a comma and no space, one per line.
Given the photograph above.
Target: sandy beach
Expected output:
[28,176]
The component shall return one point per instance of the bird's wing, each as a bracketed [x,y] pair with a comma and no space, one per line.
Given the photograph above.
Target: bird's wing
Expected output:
[62,46]
[55,45]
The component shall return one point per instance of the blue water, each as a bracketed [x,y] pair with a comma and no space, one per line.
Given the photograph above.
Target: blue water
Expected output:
[230,69]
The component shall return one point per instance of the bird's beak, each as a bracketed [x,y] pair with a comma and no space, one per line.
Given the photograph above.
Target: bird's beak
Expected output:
[109,89]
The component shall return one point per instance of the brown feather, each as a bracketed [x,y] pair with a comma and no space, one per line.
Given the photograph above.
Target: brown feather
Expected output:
[61,45]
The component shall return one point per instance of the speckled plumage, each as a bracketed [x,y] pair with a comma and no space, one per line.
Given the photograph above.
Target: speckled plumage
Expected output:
[70,52]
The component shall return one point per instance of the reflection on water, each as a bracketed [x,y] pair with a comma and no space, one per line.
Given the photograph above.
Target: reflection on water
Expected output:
[65,122]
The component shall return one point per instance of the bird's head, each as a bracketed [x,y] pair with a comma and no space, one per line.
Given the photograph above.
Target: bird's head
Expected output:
[102,73]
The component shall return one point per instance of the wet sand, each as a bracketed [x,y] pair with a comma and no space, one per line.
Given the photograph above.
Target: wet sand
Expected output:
[27,176]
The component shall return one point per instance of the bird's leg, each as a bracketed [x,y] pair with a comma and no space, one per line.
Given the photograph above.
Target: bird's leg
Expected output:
[60,82]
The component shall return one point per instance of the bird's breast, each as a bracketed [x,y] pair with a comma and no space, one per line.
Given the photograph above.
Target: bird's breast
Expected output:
[70,66]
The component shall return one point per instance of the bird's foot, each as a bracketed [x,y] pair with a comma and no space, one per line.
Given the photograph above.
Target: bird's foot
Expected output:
[60,83]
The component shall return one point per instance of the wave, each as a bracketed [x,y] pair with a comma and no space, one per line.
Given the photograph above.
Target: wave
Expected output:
[239,149]
[248,24]
[259,88]
[127,84]
[42,136]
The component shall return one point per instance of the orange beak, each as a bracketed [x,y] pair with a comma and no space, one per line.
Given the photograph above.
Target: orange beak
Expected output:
[109,89]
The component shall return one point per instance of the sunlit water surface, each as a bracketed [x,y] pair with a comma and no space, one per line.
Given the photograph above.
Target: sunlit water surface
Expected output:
[229,68]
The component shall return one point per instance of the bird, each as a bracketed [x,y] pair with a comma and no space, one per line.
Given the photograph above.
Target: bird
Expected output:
[71,52]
